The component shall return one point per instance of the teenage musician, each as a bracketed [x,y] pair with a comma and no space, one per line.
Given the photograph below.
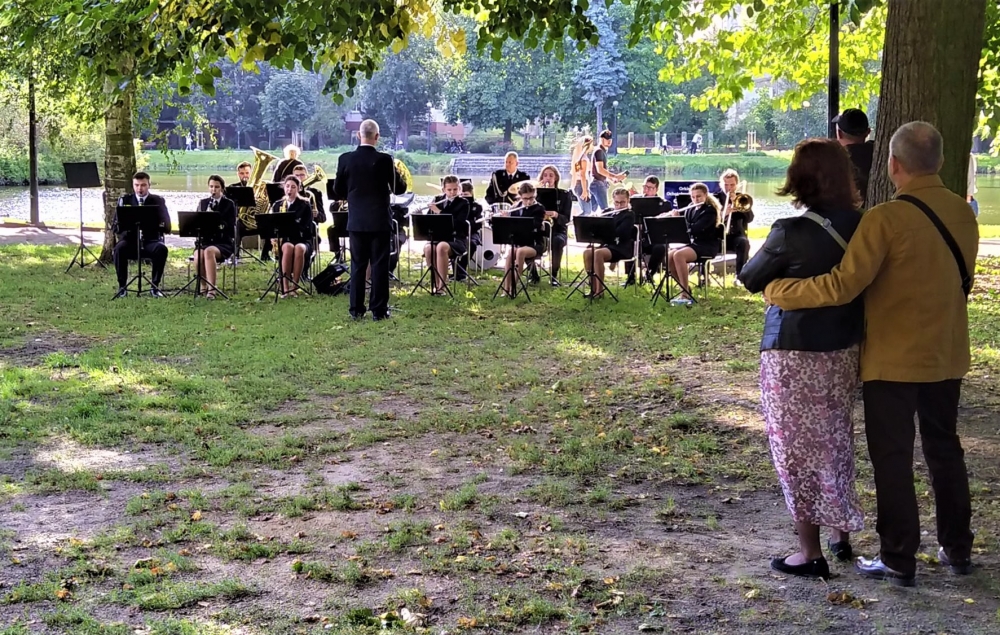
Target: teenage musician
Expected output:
[703,218]
[623,247]
[448,203]
[520,254]
[476,218]
[153,246]
[650,189]
[737,241]
[499,188]
[297,246]
[219,245]
[559,217]
[319,214]
[286,165]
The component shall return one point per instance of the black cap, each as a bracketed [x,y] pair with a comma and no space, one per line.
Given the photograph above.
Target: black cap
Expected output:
[853,121]
[606,134]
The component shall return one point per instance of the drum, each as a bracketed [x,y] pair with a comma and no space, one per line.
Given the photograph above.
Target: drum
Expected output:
[488,253]
[498,208]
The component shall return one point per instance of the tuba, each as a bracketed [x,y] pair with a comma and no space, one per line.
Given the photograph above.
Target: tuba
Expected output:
[261,160]
[317,176]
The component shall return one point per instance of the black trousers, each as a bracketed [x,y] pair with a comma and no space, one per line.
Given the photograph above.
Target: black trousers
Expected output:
[558,244]
[370,248]
[334,241]
[889,410]
[739,245]
[154,250]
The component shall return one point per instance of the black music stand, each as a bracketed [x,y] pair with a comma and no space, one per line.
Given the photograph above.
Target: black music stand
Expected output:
[242,196]
[79,176]
[140,219]
[278,225]
[547,197]
[666,231]
[434,229]
[594,230]
[515,231]
[197,225]
[340,233]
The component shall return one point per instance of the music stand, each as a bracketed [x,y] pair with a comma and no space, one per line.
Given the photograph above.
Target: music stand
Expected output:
[666,231]
[278,225]
[79,176]
[434,229]
[242,196]
[548,197]
[594,230]
[140,220]
[275,191]
[516,231]
[331,189]
[339,233]
[197,225]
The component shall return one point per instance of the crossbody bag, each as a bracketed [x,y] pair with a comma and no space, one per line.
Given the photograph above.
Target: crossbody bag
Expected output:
[948,239]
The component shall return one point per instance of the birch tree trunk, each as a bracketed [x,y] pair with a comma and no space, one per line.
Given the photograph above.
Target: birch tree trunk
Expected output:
[929,73]
[119,163]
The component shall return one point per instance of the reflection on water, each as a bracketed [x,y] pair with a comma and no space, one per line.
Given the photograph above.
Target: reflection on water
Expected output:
[182,192]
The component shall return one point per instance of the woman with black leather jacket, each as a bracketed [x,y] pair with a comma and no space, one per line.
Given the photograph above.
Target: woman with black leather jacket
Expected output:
[809,358]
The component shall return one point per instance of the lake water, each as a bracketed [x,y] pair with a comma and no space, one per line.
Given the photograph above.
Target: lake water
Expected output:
[183,190]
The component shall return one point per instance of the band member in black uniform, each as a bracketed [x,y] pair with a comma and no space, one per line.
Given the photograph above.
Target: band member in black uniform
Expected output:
[499,187]
[296,249]
[737,241]
[621,249]
[220,245]
[286,165]
[703,218]
[319,213]
[335,206]
[153,246]
[449,203]
[650,189]
[521,253]
[365,179]
[476,218]
[560,219]
[243,174]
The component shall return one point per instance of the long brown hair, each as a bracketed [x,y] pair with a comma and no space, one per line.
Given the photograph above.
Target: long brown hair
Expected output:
[821,177]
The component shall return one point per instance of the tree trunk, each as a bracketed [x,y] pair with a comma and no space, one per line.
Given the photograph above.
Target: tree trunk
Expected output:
[508,132]
[119,163]
[600,122]
[32,148]
[929,73]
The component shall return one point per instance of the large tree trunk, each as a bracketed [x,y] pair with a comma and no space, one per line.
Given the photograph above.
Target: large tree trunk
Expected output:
[119,163]
[508,132]
[929,73]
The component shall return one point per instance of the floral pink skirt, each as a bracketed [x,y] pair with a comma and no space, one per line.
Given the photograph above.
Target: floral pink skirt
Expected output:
[808,398]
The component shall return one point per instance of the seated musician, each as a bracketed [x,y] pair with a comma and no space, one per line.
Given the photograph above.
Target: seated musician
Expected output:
[623,247]
[286,165]
[296,250]
[243,173]
[448,203]
[150,246]
[560,219]
[220,245]
[650,189]
[476,218]
[737,241]
[703,218]
[520,254]
[499,188]
[315,196]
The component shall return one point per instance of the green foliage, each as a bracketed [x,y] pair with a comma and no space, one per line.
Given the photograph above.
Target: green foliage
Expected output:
[289,99]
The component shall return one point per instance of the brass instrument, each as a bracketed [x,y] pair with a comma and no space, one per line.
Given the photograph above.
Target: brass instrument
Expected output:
[261,160]
[317,176]
[742,203]
[405,172]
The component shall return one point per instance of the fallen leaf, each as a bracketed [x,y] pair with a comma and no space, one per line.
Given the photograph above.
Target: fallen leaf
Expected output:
[466,623]
[196,516]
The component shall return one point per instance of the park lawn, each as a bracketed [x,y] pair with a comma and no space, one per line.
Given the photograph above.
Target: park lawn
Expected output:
[491,466]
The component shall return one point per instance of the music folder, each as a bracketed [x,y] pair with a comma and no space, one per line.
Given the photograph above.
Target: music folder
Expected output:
[645,206]
[242,196]
[145,217]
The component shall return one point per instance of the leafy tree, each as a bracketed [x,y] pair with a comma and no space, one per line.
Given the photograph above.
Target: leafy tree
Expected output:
[603,75]
[288,101]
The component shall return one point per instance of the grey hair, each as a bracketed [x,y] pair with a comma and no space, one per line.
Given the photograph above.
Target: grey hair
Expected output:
[368,129]
[918,147]
[509,155]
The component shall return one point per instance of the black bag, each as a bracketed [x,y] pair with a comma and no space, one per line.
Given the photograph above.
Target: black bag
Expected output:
[327,283]
[963,271]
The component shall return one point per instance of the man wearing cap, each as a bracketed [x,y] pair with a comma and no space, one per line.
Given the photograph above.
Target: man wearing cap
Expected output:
[852,132]
[601,175]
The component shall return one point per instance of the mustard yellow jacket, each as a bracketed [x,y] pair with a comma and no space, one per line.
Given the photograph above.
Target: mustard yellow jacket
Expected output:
[916,316]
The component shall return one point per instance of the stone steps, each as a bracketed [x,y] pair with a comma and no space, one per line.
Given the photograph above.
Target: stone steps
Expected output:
[482,164]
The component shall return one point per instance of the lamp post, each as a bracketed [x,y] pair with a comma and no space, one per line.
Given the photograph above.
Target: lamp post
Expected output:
[805,119]
[237,122]
[429,119]
[833,87]
[614,127]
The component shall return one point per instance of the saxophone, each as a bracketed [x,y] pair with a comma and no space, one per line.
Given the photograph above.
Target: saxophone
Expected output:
[260,162]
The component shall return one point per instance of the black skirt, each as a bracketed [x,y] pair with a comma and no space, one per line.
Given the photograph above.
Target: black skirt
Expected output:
[617,253]
[225,250]
[703,250]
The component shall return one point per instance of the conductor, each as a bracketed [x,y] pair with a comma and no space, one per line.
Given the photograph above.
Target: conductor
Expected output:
[365,179]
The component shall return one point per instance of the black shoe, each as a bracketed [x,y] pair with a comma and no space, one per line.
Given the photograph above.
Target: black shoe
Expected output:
[265,258]
[840,550]
[628,281]
[554,282]
[958,567]
[357,316]
[534,278]
[122,293]
[156,293]
[875,569]
[379,318]
[813,569]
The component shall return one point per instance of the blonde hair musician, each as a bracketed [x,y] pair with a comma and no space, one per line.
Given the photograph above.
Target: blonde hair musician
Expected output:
[579,178]
[737,223]
[703,218]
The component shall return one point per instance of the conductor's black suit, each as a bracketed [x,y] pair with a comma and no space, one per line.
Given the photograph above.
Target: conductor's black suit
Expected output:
[365,179]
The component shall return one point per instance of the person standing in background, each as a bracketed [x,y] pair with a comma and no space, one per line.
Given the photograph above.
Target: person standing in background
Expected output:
[852,133]
[971,189]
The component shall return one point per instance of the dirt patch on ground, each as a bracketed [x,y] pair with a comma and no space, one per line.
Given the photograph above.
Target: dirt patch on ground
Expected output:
[36,347]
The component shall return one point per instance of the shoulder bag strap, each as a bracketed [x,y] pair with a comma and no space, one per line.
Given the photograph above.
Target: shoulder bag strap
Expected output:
[828,226]
[948,239]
